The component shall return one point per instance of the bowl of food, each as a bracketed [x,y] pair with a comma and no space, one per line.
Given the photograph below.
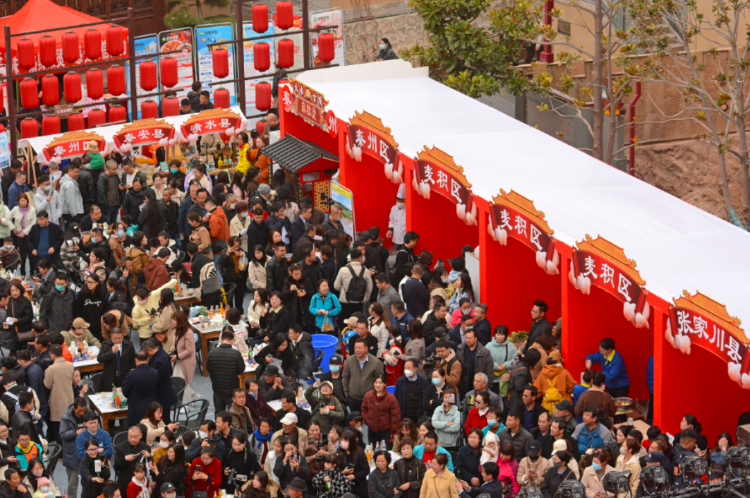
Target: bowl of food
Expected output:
[624,404]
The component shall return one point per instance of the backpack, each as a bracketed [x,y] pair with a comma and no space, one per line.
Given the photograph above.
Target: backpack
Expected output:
[357,289]
[551,397]
[391,266]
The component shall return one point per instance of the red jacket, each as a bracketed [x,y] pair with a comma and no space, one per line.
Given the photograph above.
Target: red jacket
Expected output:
[475,421]
[213,484]
[381,413]
[134,490]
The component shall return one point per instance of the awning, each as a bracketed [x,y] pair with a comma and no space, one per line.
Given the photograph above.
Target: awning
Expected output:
[293,154]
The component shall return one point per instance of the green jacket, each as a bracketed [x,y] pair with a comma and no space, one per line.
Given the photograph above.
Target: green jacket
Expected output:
[97,161]
[138,174]
[312,395]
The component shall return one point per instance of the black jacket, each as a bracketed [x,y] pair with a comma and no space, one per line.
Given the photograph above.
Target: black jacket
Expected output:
[8,449]
[123,467]
[165,395]
[57,310]
[549,440]
[416,297]
[91,489]
[484,331]
[292,301]
[405,259]
[118,301]
[90,307]
[244,465]
[7,181]
[228,272]
[467,463]
[101,191]
[372,345]
[139,387]
[20,308]
[132,204]
[23,420]
[55,240]
[257,234]
[276,322]
[304,349]
[328,270]
[171,473]
[552,480]
[195,106]
[224,365]
[182,221]
[87,186]
[430,324]
[537,330]
[413,472]
[493,489]
[298,230]
[276,273]
[35,380]
[372,258]
[107,358]
[7,492]
[172,214]
[400,393]
[287,360]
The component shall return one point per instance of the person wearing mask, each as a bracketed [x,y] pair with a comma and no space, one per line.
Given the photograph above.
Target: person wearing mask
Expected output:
[47,199]
[593,476]
[397,221]
[591,433]
[411,392]
[613,366]
[629,460]
[533,467]
[386,51]
[360,371]
[557,474]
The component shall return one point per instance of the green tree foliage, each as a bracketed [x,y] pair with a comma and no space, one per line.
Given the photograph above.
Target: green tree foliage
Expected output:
[180,14]
[472,58]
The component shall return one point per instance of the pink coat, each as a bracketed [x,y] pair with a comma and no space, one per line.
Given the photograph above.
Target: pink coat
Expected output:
[456,316]
[185,348]
[507,474]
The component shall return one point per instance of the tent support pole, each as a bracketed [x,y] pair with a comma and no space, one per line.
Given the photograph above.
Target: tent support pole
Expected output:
[133,67]
[239,50]
[306,34]
[10,85]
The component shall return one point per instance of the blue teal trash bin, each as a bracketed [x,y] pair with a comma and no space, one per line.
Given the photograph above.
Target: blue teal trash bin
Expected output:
[327,344]
[391,389]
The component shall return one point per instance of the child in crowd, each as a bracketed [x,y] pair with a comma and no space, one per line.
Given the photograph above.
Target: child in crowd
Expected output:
[490,449]
[140,485]
[464,307]
[331,482]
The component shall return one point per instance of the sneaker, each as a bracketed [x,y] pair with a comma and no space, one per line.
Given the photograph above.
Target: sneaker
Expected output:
[190,408]
[195,396]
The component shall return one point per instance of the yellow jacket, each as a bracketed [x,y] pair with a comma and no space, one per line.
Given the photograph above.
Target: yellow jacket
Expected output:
[244,163]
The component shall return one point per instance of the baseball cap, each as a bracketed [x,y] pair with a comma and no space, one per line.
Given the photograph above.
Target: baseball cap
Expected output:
[533,448]
[167,487]
[354,416]
[566,405]
[80,323]
[271,370]
[288,419]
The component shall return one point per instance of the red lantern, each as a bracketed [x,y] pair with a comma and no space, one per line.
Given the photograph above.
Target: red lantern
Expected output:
[47,51]
[220,62]
[168,72]
[29,128]
[116,79]
[222,99]
[115,40]
[263,96]
[50,125]
[260,126]
[262,56]
[92,44]
[50,91]
[97,117]
[149,109]
[76,122]
[25,50]
[71,48]
[29,94]
[117,113]
[94,83]
[72,87]
[148,75]
[326,52]
[284,14]
[260,18]
[286,53]
[170,107]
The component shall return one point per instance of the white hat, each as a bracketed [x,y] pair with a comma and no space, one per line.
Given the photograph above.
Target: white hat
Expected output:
[559,445]
[288,419]
[401,194]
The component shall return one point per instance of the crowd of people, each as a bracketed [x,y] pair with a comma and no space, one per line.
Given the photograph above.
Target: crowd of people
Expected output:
[423,398]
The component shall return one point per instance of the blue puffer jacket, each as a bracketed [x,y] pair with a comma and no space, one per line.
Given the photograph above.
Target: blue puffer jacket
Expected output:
[589,439]
[419,453]
[617,374]
[330,303]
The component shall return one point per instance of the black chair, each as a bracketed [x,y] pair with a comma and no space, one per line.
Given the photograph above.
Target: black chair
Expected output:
[199,354]
[53,450]
[96,381]
[178,386]
[12,265]
[180,257]
[193,419]
[119,438]
[228,292]
[181,429]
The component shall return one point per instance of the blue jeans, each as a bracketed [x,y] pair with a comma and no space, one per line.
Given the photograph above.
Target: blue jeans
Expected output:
[110,214]
[218,268]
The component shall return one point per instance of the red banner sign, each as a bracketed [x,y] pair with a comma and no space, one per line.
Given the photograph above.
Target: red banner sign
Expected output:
[436,170]
[222,121]
[601,263]
[306,103]
[701,321]
[144,132]
[367,134]
[513,215]
[72,144]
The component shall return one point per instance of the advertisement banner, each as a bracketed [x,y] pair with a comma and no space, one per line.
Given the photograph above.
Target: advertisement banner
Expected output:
[144,45]
[205,35]
[343,197]
[249,61]
[294,35]
[180,39]
[333,17]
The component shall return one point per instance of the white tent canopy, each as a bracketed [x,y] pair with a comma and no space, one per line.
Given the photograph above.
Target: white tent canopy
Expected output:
[107,132]
[677,246]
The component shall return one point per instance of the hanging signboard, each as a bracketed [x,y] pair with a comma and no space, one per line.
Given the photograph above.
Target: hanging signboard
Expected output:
[212,34]
[333,17]
[182,40]
[305,102]
[72,144]
[513,215]
[367,134]
[249,61]
[701,321]
[434,170]
[601,263]
[344,198]
[144,132]
[222,121]
[148,44]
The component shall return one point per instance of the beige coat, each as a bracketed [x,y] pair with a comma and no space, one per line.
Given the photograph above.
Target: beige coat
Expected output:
[301,442]
[540,466]
[634,466]
[443,486]
[257,275]
[163,325]
[185,348]
[153,432]
[58,378]
[236,226]
[344,278]
[591,482]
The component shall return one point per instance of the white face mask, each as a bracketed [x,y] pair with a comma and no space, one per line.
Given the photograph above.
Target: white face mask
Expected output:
[37,473]
[45,489]
[164,445]
[143,303]
[172,495]
[400,205]
[408,373]
[202,435]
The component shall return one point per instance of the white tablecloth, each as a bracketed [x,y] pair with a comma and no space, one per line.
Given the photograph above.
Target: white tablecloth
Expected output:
[89,362]
[103,402]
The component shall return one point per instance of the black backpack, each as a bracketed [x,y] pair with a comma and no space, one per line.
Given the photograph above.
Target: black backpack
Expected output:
[357,289]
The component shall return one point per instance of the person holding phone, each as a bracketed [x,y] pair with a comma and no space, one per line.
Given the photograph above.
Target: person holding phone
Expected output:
[204,477]
[447,419]
[290,464]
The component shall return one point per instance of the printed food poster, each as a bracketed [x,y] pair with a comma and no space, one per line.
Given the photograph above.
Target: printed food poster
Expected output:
[181,40]
[249,61]
[343,197]
[329,18]
[145,45]
[205,35]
